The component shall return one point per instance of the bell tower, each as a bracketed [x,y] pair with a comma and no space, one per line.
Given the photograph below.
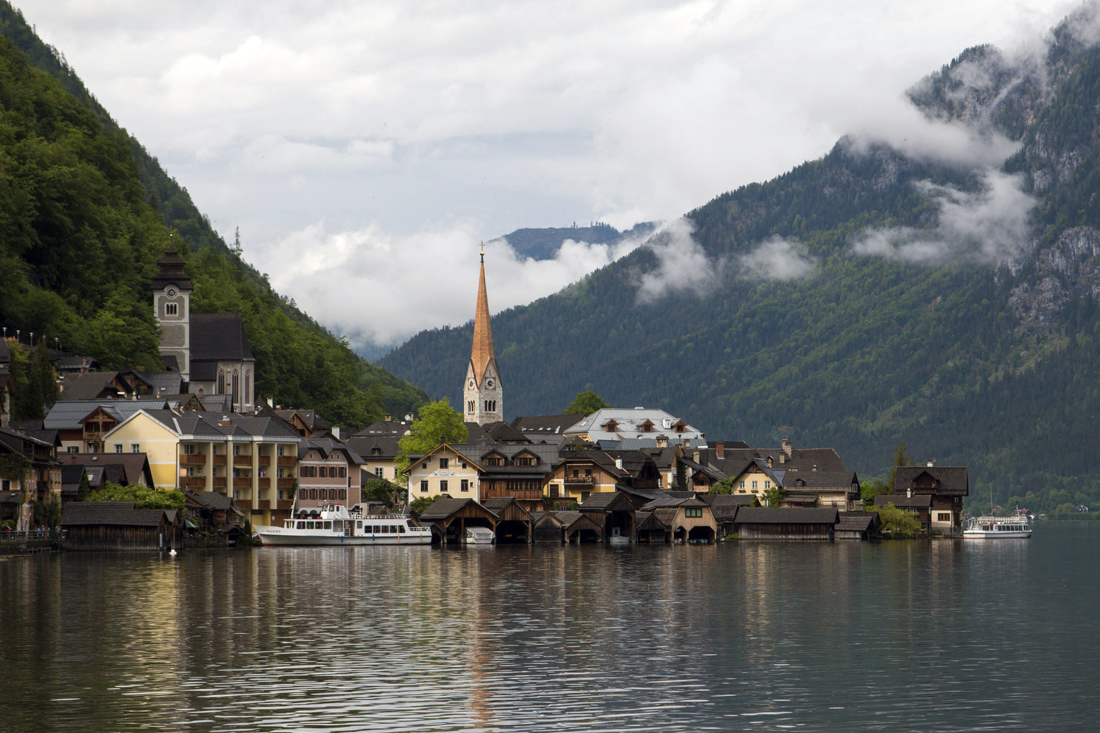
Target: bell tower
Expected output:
[172,301]
[483,395]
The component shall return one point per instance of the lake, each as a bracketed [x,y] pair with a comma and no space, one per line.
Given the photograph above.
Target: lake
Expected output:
[915,635]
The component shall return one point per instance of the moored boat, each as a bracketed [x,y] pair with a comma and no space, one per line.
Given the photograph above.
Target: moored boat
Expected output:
[337,526]
[479,536]
[997,528]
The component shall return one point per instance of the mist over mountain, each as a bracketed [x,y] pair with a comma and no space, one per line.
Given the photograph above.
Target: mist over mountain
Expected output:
[933,281]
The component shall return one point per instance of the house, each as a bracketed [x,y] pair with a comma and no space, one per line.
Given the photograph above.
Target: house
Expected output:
[252,460]
[514,522]
[444,471]
[379,454]
[947,486]
[839,489]
[119,468]
[580,474]
[724,507]
[32,475]
[484,471]
[782,523]
[306,423]
[919,504]
[117,525]
[546,428]
[81,424]
[213,511]
[77,365]
[677,520]
[328,473]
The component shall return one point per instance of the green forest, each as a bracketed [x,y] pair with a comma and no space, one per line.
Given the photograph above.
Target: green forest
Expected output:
[85,213]
[866,351]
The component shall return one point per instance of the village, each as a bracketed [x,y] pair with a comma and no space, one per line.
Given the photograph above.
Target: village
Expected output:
[615,475]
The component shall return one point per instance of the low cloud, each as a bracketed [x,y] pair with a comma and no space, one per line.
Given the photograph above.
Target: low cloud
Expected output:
[777,259]
[989,226]
[378,289]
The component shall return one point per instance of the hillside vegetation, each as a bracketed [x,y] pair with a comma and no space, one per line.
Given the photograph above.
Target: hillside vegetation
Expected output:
[85,213]
[930,307]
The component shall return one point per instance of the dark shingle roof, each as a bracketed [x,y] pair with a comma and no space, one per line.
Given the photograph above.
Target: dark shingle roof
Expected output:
[444,507]
[953,480]
[376,447]
[858,521]
[218,337]
[112,513]
[901,501]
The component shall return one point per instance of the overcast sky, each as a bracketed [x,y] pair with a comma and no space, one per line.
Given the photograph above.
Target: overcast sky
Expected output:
[364,148]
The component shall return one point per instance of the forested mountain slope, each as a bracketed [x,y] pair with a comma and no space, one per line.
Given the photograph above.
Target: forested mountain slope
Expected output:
[85,214]
[864,298]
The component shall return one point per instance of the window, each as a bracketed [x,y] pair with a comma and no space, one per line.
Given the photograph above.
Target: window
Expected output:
[171,309]
[189,449]
[135,447]
[444,462]
[396,473]
[742,486]
[322,472]
[221,382]
[462,463]
[470,406]
[118,447]
[280,451]
[73,449]
[424,487]
[378,471]
[464,485]
[443,486]
[755,485]
[767,485]
[693,512]
[943,516]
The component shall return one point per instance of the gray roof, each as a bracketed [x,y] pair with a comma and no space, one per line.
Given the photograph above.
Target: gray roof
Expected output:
[374,447]
[385,427]
[69,363]
[901,501]
[87,386]
[218,337]
[858,521]
[111,513]
[629,424]
[785,515]
[444,507]
[211,500]
[67,414]
[134,465]
[953,480]
[545,425]
[328,446]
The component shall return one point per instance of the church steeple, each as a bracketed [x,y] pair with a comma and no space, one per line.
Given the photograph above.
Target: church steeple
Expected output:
[483,394]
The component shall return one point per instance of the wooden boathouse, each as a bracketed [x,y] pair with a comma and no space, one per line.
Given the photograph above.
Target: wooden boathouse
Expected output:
[117,525]
[786,523]
[448,519]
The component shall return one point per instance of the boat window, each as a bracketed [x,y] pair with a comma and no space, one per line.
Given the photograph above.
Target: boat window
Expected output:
[359,525]
[328,525]
[401,529]
[309,524]
[387,529]
[376,529]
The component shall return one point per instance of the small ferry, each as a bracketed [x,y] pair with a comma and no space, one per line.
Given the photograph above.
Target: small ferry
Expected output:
[997,528]
[337,526]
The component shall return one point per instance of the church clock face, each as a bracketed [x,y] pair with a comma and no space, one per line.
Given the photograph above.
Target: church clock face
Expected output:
[170,292]
[472,384]
[489,383]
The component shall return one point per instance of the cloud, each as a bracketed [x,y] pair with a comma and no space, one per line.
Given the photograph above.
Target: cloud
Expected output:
[379,289]
[988,226]
[777,259]
[684,266]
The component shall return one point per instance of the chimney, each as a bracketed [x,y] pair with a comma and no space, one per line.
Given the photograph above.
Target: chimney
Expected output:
[619,463]
[930,464]
[815,467]
[909,493]
[695,455]
[787,447]
[388,417]
[662,441]
[271,401]
[769,461]
[782,458]
[336,432]
[720,451]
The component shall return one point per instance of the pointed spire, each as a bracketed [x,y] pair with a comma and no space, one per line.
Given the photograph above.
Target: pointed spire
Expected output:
[482,353]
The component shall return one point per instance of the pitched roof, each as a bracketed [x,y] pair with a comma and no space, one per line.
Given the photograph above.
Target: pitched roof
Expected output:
[545,424]
[901,501]
[133,465]
[374,447]
[171,270]
[87,386]
[218,337]
[444,507]
[953,480]
[112,513]
[211,500]
[502,432]
[858,521]
[385,427]
[67,414]
[784,515]
[629,424]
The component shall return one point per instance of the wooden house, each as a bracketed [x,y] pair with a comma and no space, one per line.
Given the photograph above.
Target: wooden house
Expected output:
[858,526]
[448,519]
[677,520]
[946,486]
[117,525]
[614,513]
[565,527]
[514,522]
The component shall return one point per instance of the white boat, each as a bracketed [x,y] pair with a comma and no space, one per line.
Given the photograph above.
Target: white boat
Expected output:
[479,536]
[997,528]
[337,526]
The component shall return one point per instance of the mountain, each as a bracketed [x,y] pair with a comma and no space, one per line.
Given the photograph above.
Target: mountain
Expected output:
[942,296]
[543,244]
[86,212]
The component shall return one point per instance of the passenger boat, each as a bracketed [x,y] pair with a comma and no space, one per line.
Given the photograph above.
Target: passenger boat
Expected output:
[997,528]
[337,526]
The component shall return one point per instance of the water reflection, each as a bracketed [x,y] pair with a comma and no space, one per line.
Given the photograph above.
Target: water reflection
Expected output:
[909,635]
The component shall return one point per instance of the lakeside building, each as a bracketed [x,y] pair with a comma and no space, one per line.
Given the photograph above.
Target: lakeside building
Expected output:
[935,493]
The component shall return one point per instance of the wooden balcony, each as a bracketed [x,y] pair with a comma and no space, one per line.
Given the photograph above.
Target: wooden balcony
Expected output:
[263,504]
[245,504]
[517,494]
[284,483]
[265,461]
[192,459]
[197,483]
[284,505]
[287,460]
[219,483]
[571,481]
[242,482]
[242,460]
[219,459]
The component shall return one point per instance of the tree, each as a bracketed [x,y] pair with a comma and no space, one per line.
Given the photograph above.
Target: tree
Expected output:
[380,490]
[436,424]
[774,495]
[901,458]
[420,503]
[143,497]
[585,403]
[898,523]
[868,490]
[725,486]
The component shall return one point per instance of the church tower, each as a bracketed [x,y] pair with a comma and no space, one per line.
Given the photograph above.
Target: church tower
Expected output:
[483,395]
[172,300]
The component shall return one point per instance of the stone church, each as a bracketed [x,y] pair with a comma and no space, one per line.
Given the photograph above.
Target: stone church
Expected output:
[209,350]
[483,393]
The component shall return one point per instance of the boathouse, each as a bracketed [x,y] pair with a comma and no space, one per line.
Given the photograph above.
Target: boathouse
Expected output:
[781,523]
[676,520]
[614,513]
[448,519]
[117,525]
[514,522]
[565,527]
[858,526]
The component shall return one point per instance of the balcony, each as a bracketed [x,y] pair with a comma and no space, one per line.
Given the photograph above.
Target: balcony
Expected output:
[287,460]
[192,459]
[219,483]
[242,482]
[284,505]
[265,461]
[219,459]
[517,494]
[197,483]
[245,504]
[242,460]
[284,483]
[579,481]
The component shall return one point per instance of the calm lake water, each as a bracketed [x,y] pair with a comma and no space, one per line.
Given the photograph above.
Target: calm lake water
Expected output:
[850,636]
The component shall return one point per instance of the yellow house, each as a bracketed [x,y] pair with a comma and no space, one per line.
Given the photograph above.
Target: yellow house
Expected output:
[444,471]
[756,479]
[583,473]
[252,460]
